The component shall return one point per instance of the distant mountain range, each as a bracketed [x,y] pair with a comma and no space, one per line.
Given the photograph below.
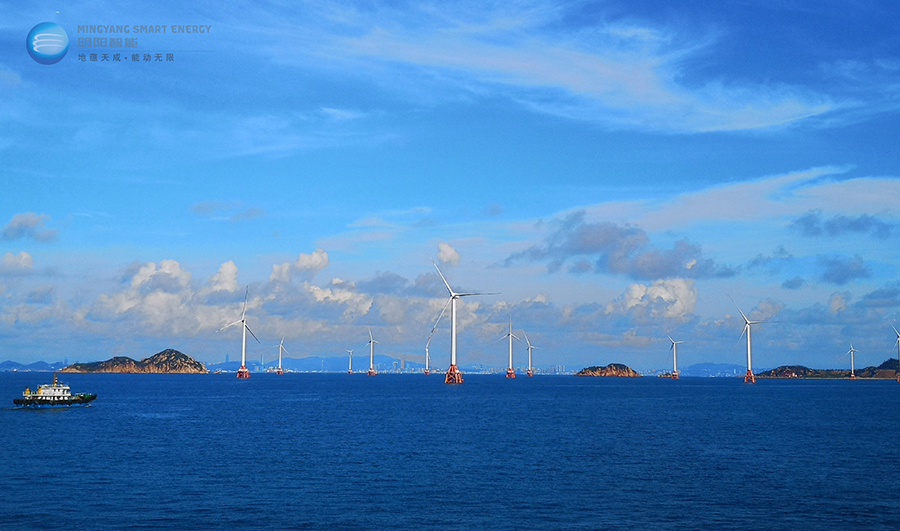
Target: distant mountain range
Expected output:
[887,370]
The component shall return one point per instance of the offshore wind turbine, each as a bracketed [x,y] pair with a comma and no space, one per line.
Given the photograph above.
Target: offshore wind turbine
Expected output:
[280,350]
[243,373]
[372,371]
[898,352]
[350,370]
[749,377]
[674,349]
[852,351]
[531,347]
[453,375]
[510,371]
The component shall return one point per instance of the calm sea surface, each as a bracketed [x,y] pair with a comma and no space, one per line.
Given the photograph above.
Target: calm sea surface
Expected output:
[333,451]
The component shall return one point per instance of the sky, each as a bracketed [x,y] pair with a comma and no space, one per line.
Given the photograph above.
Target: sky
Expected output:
[617,171]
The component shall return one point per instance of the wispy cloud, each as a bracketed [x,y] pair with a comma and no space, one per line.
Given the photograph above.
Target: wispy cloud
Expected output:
[620,75]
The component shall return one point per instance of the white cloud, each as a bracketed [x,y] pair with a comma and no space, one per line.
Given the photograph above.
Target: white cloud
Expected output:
[225,279]
[357,304]
[671,298]
[447,254]
[19,261]
[308,263]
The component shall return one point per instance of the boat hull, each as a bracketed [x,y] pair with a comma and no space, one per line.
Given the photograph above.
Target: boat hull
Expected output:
[81,399]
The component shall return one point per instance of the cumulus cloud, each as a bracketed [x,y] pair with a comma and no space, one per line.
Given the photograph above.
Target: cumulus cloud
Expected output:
[671,298]
[447,254]
[309,264]
[29,225]
[357,304]
[812,224]
[838,302]
[606,247]
[841,271]
[16,262]
[225,279]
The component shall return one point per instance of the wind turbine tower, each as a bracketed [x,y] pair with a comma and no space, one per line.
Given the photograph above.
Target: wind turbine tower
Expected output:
[510,371]
[852,351]
[372,371]
[243,373]
[350,370]
[531,347]
[280,350]
[675,358]
[453,375]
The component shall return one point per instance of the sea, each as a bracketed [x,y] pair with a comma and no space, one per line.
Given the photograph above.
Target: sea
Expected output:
[404,451]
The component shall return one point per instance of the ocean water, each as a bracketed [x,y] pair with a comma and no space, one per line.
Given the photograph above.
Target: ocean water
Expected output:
[334,451]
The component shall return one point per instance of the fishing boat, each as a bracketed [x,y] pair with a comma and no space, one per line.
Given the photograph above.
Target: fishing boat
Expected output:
[53,395]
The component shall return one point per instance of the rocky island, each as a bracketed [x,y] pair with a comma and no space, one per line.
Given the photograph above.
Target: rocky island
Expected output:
[887,370]
[169,361]
[613,369]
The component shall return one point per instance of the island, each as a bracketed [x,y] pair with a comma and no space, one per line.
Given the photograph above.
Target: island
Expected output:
[885,371]
[169,361]
[613,369]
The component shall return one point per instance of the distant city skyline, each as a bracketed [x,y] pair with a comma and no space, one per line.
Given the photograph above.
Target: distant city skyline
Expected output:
[615,170]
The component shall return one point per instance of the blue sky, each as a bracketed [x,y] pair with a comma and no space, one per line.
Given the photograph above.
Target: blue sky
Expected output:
[616,170]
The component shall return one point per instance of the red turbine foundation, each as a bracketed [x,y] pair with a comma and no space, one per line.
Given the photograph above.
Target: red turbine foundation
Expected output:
[427,372]
[243,373]
[279,371]
[530,373]
[674,375]
[510,373]
[372,372]
[453,376]
[750,377]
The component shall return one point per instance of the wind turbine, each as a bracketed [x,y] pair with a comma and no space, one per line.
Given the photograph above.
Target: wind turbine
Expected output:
[852,351]
[453,375]
[898,351]
[243,373]
[510,371]
[280,350]
[427,343]
[350,370]
[372,371]
[749,377]
[674,350]
[531,347]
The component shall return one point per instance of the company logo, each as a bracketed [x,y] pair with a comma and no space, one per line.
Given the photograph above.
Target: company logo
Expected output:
[47,43]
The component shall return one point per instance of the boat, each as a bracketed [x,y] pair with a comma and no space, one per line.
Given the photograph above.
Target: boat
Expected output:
[53,395]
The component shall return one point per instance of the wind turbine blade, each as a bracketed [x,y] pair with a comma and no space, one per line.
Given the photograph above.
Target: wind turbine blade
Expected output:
[442,277]
[744,330]
[470,294]
[896,332]
[251,333]
[370,333]
[739,311]
[228,326]
[515,337]
[244,308]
